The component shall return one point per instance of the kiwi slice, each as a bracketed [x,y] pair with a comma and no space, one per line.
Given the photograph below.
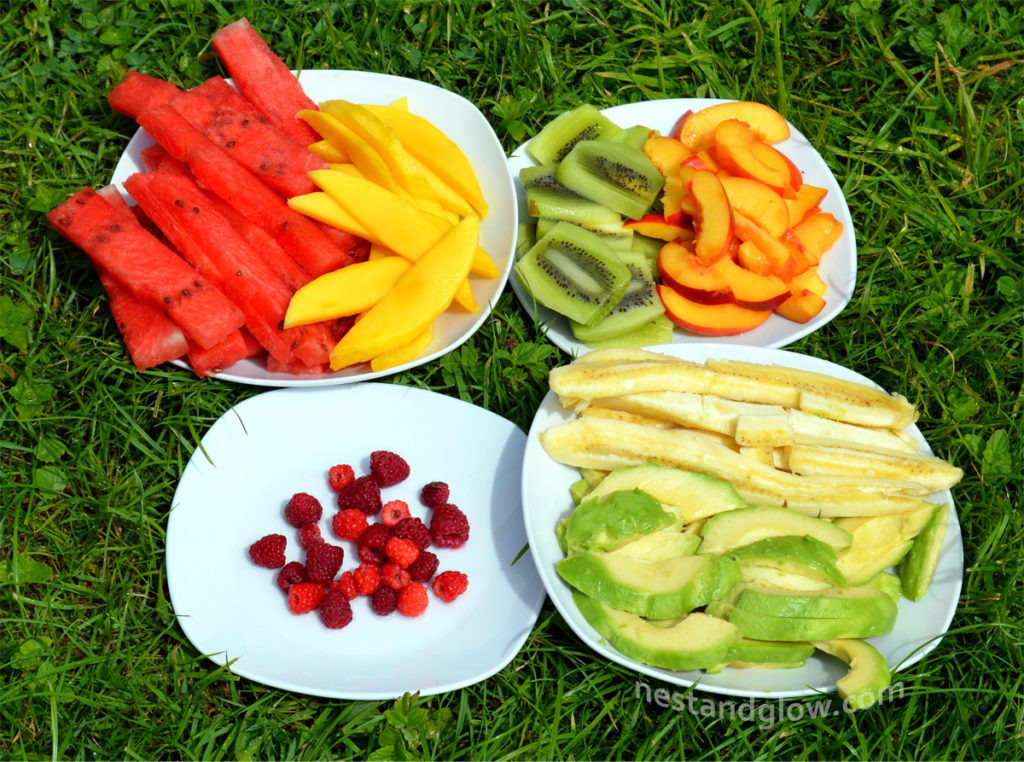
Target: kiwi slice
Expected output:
[658,331]
[557,138]
[547,197]
[638,306]
[614,174]
[634,136]
[617,236]
[573,272]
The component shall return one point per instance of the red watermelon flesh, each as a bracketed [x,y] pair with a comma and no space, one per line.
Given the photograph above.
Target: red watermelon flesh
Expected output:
[115,241]
[217,172]
[151,337]
[206,362]
[138,92]
[264,78]
[218,251]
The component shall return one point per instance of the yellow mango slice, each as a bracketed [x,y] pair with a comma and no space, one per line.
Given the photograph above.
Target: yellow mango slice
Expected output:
[323,208]
[361,153]
[435,150]
[328,152]
[349,291]
[429,205]
[402,103]
[448,199]
[404,353]
[379,252]
[416,300]
[385,142]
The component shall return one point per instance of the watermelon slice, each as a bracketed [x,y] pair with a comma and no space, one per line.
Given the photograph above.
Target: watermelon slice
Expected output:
[264,78]
[115,241]
[217,172]
[206,362]
[137,92]
[151,337]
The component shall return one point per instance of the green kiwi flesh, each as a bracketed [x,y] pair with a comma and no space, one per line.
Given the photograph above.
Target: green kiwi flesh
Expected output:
[615,234]
[573,272]
[547,197]
[638,306]
[557,137]
[658,331]
[616,175]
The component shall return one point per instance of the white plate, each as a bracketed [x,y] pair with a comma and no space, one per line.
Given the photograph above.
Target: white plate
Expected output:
[838,267]
[919,626]
[270,446]
[464,124]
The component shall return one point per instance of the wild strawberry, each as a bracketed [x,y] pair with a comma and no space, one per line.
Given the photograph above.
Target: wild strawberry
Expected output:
[412,599]
[335,610]
[340,476]
[367,578]
[401,551]
[305,596]
[268,551]
[393,512]
[291,573]
[302,509]
[388,468]
[349,524]
[449,585]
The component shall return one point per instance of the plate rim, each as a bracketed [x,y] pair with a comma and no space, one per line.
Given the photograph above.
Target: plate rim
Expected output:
[558,590]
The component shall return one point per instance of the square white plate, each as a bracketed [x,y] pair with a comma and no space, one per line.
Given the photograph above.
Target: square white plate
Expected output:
[464,124]
[265,449]
[919,626]
[838,267]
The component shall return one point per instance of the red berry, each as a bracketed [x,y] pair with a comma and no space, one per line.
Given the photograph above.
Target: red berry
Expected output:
[305,596]
[423,568]
[268,551]
[323,562]
[346,585]
[384,600]
[412,599]
[302,509]
[335,610]
[434,494]
[340,476]
[349,524]
[449,585]
[367,577]
[370,546]
[394,576]
[388,468]
[291,573]
[449,527]
[310,535]
[363,494]
[414,529]
[401,551]
[394,511]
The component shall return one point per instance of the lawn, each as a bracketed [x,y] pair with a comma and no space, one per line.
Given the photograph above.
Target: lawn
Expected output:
[915,106]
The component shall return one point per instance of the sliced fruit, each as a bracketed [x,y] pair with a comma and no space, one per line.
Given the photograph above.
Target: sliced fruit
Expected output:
[681,269]
[868,675]
[750,290]
[405,353]
[713,220]
[758,202]
[548,197]
[728,531]
[666,153]
[816,234]
[807,198]
[638,306]
[696,130]
[615,234]
[613,174]
[709,319]
[734,150]
[918,567]
[608,521]
[560,135]
[348,291]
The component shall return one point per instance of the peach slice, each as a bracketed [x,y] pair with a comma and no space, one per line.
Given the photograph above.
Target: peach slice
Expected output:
[749,257]
[781,256]
[683,271]
[655,225]
[773,157]
[810,280]
[666,153]
[750,290]
[817,234]
[767,124]
[801,306]
[709,319]
[734,149]
[714,219]
[758,202]
[807,198]
[675,195]
[702,160]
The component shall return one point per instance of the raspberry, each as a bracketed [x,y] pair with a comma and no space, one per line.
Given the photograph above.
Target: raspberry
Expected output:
[305,596]
[335,610]
[434,494]
[349,524]
[402,551]
[346,585]
[449,527]
[384,600]
[394,576]
[387,468]
[449,585]
[370,546]
[423,568]
[394,511]
[363,493]
[310,535]
[367,578]
[413,529]
[268,551]
[323,562]
[291,573]
[412,599]
[340,476]
[302,509]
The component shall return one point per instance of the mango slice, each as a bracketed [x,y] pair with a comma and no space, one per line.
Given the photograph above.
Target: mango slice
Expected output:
[404,353]
[323,208]
[419,296]
[328,152]
[361,153]
[348,291]
[436,151]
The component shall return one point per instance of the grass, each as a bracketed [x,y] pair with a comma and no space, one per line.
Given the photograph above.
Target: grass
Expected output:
[916,107]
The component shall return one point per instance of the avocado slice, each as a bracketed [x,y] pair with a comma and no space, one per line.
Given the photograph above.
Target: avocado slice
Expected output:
[660,546]
[830,603]
[578,490]
[652,589]
[879,542]
[605,522]
[766,576]
[743,526]
[888,583]
[697,641]
[767,654]
[918,567]
[788,628]
[868,675]
[789,553]
[690,495]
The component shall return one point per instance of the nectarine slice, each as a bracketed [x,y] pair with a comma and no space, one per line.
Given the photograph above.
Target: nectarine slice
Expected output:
[767,124]
[779,254]
[750,290]
[655,225]
[817,234]
[806,199]
[713,221]
[809,279]
[801,306]
[683,271]
[734,149]
[758,202]
[709,319]
[666,153]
